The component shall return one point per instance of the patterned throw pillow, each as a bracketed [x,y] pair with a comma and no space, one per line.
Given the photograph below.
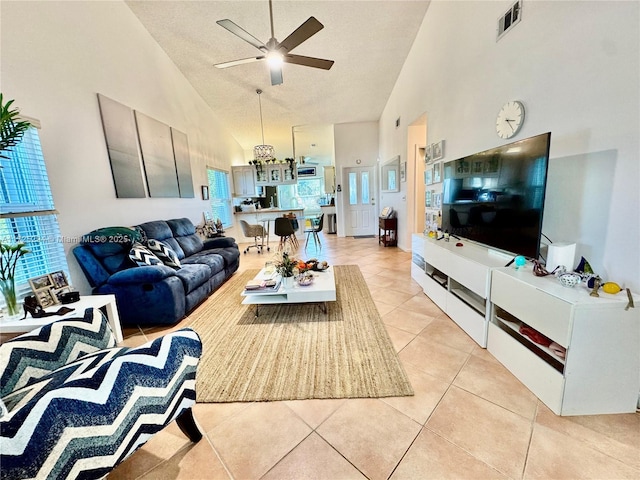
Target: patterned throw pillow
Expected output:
[164,252]
[141,256]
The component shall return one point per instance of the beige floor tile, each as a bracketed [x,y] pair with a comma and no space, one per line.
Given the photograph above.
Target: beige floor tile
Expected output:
[162,446]
[446,332]
[210,415]
[255,439]
[411,322]
[433,457]
[615,435]
[314,459]
[399,338]
[423,304]
[372,435]
[495,383]
[433,358]
[383,308]
[482,353]
[198,461]
[556,455]
[314,411]
[428,391]
[490,433]
[389,295]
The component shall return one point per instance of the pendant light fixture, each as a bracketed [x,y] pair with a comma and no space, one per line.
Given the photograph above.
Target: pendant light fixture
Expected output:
[262,153]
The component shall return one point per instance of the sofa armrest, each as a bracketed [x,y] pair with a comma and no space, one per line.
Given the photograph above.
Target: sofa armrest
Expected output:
[138,275]
[220,242]
[51,346]
[86,417]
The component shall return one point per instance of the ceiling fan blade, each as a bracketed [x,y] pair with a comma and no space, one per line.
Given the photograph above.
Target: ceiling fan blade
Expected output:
[242,33]
[302,33]
[308,61]
[239,62]
[276,75]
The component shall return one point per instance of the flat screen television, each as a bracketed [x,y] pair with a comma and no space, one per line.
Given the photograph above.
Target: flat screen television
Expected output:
[496,197]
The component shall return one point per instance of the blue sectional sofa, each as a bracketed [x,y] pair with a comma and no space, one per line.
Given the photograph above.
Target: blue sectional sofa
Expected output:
[158,293]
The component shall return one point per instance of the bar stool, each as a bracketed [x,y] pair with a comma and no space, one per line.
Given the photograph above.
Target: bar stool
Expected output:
[284,229]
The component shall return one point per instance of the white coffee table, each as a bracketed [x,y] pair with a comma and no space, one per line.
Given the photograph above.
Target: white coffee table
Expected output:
[322,290]
[89,301]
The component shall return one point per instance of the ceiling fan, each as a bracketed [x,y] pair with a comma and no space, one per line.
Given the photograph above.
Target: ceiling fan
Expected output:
[278,52]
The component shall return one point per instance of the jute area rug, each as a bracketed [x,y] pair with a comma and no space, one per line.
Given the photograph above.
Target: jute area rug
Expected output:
[294,352]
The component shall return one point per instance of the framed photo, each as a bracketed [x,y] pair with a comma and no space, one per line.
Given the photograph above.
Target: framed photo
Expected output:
[205,192]
[477,167]
[437,172]
[46,298]
[427,155]
[428,176]
[306,171]
[437,150]
[403,171]
[40,283]
[59,280]
[427,199]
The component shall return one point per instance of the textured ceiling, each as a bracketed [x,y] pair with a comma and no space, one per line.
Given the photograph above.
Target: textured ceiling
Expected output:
[368,40]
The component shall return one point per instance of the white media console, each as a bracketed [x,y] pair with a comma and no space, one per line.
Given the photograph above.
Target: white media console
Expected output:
[601,369]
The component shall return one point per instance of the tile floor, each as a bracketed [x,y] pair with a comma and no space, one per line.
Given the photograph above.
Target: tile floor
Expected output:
[469,418]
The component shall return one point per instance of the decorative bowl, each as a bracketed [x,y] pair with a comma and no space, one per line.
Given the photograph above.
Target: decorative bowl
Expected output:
[569,279]
[305,281]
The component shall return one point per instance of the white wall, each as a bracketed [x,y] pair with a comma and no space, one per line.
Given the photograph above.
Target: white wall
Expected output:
[56,56]
[353,141]
[575,66]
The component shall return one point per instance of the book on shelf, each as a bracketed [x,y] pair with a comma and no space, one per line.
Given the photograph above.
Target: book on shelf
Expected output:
[262,285]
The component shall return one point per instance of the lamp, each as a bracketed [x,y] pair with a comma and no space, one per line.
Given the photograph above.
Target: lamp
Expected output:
[262,152]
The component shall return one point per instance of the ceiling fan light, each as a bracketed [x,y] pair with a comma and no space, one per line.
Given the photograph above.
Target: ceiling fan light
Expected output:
[275,59]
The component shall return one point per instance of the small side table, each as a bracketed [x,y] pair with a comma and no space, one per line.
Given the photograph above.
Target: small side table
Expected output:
[88,301]
[387,231]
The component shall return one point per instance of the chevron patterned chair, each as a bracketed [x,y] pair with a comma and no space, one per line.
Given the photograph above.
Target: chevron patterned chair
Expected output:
[74,405]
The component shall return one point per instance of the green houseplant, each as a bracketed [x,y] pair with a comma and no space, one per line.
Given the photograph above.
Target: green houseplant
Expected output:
[11,129]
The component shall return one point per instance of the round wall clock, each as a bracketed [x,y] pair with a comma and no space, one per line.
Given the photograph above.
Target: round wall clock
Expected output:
[510,119]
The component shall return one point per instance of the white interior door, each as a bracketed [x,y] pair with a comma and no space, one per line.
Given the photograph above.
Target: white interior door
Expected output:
[360,206]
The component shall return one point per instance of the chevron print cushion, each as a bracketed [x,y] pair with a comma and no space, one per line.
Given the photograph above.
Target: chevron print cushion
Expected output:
[86,417]
[164,253]
[47,348]
[141,256]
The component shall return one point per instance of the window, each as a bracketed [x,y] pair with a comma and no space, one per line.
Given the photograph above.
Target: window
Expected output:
[27,213]
[220,196]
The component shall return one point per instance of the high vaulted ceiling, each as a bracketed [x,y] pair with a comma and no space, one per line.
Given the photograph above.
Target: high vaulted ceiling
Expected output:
[368,40]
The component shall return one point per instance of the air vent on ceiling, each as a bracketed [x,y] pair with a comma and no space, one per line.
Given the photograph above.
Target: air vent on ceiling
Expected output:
[510,18]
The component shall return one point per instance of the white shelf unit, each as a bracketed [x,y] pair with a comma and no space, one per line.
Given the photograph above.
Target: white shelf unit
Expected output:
[601,369]
[457,279]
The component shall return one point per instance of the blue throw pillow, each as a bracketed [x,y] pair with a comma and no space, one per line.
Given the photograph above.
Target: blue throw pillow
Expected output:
[164,252]
[141,256]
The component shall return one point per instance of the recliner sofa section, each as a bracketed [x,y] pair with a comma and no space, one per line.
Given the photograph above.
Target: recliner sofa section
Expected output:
[156,294]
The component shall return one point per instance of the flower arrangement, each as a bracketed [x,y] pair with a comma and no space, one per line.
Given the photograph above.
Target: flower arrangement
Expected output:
[287,266]
[9,256]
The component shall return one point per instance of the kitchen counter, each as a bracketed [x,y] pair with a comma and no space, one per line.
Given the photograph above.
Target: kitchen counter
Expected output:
[270,211]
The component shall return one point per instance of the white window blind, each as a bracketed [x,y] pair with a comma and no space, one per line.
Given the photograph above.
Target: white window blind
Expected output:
[220,196]
[27,212]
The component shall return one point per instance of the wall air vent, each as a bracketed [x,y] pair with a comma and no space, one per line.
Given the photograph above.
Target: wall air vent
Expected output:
[509,19]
